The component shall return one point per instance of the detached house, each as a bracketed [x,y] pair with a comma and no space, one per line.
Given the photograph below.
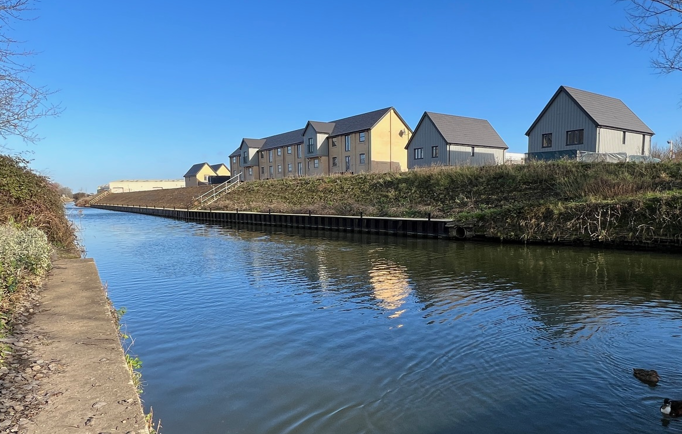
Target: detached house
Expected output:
[369,142]
[448,140]
[576,120]
[198,174]
[220,169]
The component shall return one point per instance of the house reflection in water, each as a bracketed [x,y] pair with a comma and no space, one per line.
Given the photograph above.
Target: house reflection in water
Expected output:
[390,285]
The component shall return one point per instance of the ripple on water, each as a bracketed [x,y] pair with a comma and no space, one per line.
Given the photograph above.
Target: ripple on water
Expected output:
[274,332]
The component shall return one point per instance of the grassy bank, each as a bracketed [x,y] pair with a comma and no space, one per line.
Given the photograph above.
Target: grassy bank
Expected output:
[559,201]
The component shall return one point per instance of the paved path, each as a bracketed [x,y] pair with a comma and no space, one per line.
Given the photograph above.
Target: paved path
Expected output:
[93,391]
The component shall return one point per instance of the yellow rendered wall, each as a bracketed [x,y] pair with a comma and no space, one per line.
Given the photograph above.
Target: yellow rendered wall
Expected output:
[388,152]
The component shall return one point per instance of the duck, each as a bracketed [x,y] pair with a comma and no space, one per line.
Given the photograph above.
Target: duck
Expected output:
[646,375]
[671,408]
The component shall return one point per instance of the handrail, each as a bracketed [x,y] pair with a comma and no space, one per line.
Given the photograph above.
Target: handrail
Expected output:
[212,195]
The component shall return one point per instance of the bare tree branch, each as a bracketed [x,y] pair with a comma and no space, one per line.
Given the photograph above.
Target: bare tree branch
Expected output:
[21,103]
[657,24]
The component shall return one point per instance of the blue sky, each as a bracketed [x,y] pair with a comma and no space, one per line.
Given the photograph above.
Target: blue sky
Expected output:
[151,87]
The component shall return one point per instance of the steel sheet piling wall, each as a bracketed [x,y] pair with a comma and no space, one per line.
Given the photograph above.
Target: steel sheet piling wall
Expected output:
[433,228]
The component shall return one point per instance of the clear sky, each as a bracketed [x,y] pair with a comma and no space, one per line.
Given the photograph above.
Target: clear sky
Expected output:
[151,87]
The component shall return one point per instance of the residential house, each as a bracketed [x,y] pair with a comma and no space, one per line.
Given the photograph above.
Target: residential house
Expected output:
[447,140]
[248,151]
[220,169]
[369,142]
[235,163]
[577,120]
[198,175]
[282,156]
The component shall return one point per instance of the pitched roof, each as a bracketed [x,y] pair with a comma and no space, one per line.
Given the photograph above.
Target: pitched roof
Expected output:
[321,127]
[360,122]
[459,130]
[195,169]
[254,143]
[216,167]
[285,139]
[352,124]
[603,110]
[236,152]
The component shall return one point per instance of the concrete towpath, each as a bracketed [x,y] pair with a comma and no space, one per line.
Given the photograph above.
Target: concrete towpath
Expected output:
[92,391]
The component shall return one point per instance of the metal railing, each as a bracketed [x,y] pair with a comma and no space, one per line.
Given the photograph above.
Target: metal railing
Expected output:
[99,196]
[213,194]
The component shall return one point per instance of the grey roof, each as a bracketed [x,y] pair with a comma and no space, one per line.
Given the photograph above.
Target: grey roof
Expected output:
[603,110]
[321,127]
[236,152]
[285,139]
[254,143]
[338,127]
[459,130]
[359,122]
[195,169]
[215,167]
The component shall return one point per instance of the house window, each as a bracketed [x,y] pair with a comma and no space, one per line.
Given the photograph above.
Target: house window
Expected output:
[347,163]
[547,140]
[262,170]
[270,171]
[300,168]
[316,163]
[308,164]
[335,161]
[279,151]
[245,157]
[288,149]
[298,151]
[624,133]
[574,137]
[362,137]
[434,151]
[347,143]
[234,160]
[279,168]
[472,151]
[270,156]
[289,167]
[362,158]
[334,143]
[262,154]
[311,145]
[250,170]
[418,153]
[205,178]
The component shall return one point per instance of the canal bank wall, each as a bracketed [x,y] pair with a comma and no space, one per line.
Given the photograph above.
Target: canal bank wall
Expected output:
[550,231]
[88,387]
[414,227]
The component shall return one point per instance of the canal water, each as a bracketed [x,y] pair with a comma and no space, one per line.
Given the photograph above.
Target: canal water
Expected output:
[242,330]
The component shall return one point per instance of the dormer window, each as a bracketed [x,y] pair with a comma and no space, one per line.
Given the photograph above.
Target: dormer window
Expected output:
[311,145]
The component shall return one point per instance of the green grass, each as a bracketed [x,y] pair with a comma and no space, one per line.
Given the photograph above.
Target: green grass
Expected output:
[531,202]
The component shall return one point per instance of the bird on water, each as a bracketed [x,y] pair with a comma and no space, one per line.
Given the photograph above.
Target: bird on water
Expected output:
[671,408]
[646,375]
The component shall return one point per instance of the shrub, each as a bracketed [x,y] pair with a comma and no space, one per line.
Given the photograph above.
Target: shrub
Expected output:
[23,254]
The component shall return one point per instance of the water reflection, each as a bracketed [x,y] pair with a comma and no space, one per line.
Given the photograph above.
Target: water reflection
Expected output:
[252,329]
